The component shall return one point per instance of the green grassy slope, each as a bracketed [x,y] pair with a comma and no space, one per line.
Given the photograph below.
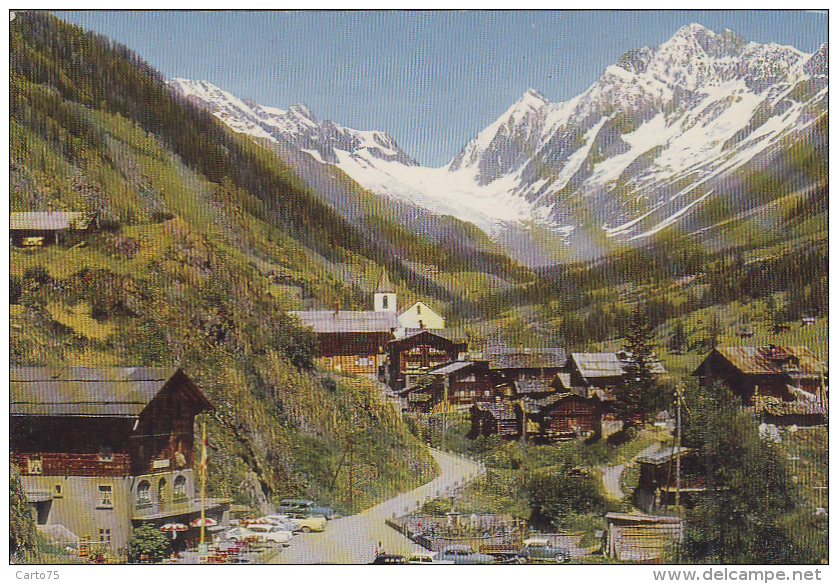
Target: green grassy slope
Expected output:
[205,241]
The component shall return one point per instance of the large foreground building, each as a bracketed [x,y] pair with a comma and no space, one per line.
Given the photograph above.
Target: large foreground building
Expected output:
[101,450]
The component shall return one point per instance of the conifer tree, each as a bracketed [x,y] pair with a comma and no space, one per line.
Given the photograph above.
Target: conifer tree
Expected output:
[639,396]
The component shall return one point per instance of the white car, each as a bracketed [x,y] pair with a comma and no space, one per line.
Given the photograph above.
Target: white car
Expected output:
[260,533]
[425,558]
[281,521]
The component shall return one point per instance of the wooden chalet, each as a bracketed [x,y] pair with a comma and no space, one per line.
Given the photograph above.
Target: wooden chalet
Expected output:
[658,482]
[350,341]
[418,353]
[465,383]
[599,373]
[562,415]
[502,418]
[102,450]
[43,227]
[780,384]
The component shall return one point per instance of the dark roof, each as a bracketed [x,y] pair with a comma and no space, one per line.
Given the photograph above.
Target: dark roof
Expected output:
[665,455]
[413,335]
[449,368]
[347,321]
[770,360]
[455,335]
[526,386]
[505,357]
[532,406]
[499,411]
[87,391]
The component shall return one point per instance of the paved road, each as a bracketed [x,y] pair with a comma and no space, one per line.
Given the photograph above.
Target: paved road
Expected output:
[353,539]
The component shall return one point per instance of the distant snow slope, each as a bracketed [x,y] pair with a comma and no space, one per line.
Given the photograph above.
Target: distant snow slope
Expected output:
[660,133]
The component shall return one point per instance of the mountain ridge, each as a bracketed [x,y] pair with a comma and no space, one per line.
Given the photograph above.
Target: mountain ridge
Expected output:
[663,133]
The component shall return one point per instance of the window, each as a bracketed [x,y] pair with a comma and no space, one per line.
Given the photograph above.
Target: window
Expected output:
[105,497]
[384,301]
[104,536]
[161,491]
[418,309]
[106,454]
[34,464]
[57,492]
[180,488]
[144,494]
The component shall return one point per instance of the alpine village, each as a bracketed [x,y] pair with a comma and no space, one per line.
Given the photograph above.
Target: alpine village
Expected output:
[213,361]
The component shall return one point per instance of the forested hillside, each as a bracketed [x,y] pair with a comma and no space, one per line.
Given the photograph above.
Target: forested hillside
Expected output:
[204,240]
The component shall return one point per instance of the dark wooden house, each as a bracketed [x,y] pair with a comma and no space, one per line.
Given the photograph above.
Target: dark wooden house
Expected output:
[658,482]
[464,383]
[101,450]
[599,373]
[350,341]
[563,415]
[418,353]
[502,418]
[780,384]
[522,363]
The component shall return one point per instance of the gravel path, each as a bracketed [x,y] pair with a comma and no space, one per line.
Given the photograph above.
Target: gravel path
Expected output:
[353,539]
[611,474]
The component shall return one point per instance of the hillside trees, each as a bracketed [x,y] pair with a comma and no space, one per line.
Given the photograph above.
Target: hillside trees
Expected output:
[751,509]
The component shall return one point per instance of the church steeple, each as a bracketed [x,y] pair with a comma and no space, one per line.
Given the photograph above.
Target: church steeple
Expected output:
[385,295]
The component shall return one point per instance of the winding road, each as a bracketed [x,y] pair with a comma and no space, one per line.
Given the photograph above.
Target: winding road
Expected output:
[353,539]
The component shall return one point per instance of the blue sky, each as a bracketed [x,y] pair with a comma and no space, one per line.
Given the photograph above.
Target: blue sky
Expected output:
[431,80]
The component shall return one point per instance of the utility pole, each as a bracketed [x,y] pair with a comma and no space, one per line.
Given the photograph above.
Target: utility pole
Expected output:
[445,385]
[351,470]
[679,392]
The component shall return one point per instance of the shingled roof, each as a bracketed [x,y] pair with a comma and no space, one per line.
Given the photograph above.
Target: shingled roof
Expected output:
[347,321]
[770,359]
[46,220]
[595,365]
[87,391]
[505,357]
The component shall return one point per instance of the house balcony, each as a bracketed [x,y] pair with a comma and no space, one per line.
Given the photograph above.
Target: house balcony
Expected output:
[71,464]
[146,511]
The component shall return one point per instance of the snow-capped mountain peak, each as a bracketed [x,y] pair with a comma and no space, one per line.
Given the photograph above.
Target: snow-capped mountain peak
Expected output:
[661,134]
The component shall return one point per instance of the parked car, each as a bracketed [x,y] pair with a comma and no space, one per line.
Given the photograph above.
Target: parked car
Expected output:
[260,533]
[425,558]
[463,554]
[538,549]
[385,559]
[287,505]
[282,521]
[307,521]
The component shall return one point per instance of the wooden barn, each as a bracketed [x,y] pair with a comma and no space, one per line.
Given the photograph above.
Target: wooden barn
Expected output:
[599,373]
[658,482]
[780,384]
[43,227]
[350,341]
[101,450]
[464,382]
[564,415]
[502,418]
[521,363]
[418,353]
